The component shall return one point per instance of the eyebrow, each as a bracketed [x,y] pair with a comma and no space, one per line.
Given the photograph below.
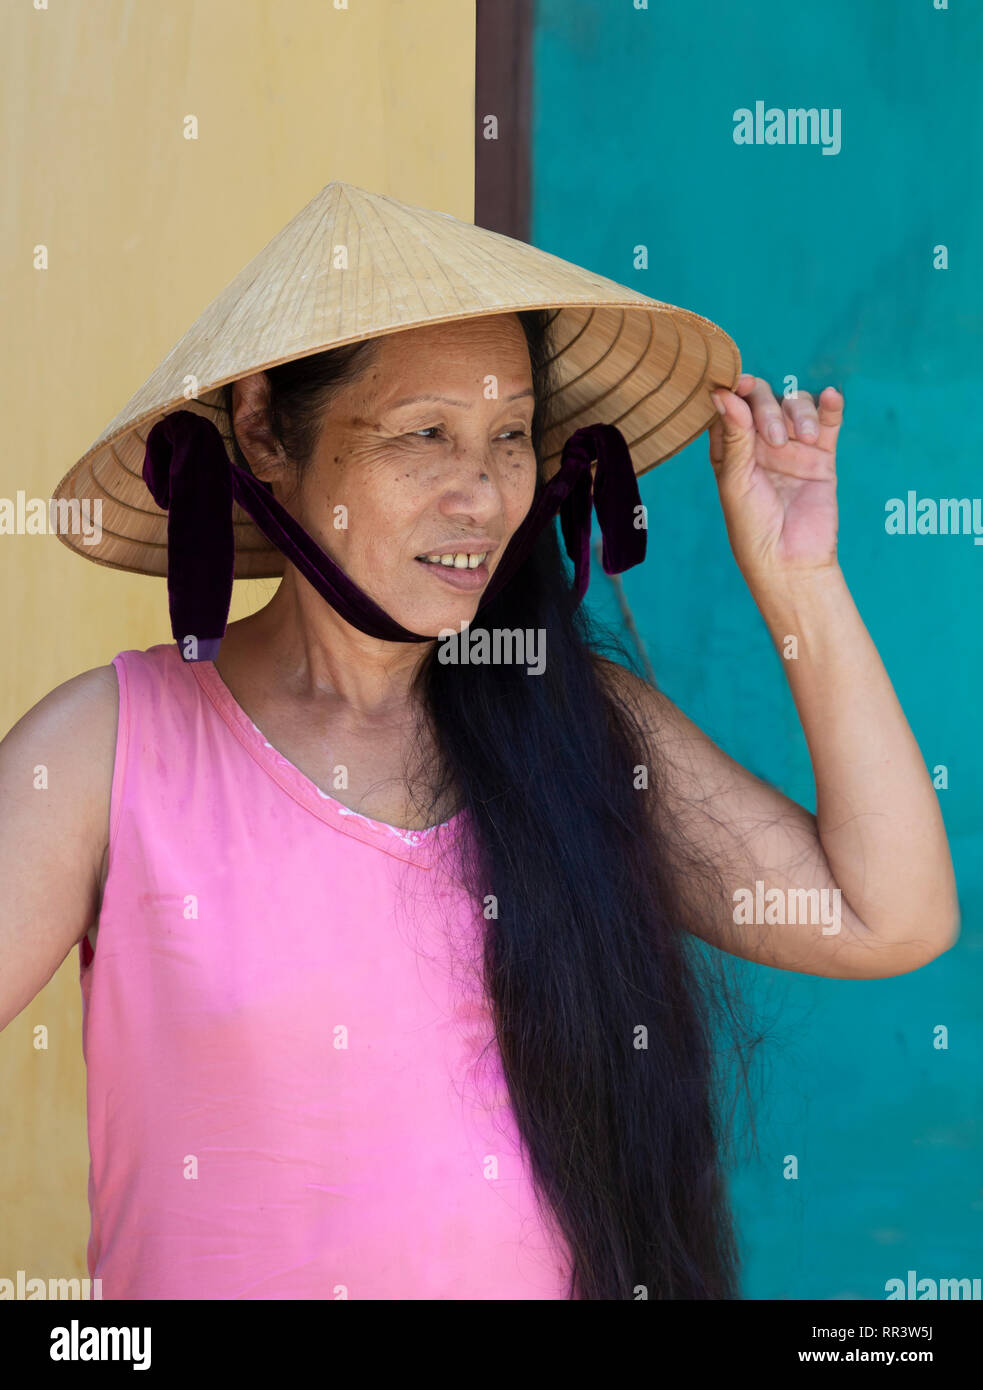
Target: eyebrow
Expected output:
[448,400]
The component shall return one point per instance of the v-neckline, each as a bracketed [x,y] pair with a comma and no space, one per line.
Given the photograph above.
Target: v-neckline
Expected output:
[415,846]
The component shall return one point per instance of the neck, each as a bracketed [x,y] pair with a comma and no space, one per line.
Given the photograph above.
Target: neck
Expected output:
[299,641]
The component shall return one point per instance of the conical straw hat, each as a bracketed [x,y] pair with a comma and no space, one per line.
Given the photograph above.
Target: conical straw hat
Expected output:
[622,358]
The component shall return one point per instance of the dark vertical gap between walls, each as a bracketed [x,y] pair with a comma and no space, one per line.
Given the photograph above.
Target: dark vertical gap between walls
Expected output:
[502,155]
[502,106]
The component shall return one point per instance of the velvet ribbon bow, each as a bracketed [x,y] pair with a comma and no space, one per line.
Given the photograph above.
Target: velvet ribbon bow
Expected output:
[191,477]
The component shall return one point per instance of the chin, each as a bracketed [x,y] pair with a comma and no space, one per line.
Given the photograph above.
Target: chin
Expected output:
[434,621]
[430,606]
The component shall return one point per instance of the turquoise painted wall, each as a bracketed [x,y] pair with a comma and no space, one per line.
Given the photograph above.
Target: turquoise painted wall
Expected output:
[819,266]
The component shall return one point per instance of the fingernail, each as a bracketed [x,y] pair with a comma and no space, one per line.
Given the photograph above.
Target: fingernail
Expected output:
[718,403]
[776,433]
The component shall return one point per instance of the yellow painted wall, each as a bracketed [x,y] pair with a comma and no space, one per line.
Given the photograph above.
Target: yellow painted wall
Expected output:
[143,228]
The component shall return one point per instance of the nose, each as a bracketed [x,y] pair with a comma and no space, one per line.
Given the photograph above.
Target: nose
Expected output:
[471,487]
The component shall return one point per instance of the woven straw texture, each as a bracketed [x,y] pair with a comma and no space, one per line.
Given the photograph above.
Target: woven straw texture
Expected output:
[355,264]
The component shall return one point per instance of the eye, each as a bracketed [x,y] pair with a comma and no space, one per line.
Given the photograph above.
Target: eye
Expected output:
[432,429]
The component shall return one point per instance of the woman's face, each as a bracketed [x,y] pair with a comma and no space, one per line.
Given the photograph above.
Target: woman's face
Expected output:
[427,454]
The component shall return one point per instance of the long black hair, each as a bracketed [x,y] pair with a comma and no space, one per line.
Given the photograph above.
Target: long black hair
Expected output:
[609,1016]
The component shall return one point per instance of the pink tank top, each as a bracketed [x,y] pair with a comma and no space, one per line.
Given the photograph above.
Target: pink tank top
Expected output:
[293,1087]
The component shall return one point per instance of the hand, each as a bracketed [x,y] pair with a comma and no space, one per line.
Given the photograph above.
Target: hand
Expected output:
[778,499]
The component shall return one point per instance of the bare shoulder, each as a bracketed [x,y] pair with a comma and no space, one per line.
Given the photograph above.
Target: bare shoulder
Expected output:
[620,681]
[85,707]
[56,775]
[67,740]
[695,771]
[658,717]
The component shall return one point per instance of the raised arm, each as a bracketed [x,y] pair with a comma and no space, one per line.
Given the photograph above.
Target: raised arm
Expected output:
[876,850]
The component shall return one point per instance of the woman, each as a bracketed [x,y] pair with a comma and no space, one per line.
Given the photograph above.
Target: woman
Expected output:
[395,991]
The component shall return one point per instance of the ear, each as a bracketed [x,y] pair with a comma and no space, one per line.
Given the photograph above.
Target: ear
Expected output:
[251,425]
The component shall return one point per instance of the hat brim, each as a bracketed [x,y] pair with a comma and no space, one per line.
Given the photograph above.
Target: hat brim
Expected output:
[621,358]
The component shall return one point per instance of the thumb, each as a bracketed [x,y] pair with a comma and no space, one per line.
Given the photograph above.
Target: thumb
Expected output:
[731,437]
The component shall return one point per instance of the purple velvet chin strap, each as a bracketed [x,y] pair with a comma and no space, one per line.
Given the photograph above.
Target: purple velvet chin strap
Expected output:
[191,477]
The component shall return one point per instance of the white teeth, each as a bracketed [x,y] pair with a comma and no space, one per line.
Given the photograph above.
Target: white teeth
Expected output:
[460,561]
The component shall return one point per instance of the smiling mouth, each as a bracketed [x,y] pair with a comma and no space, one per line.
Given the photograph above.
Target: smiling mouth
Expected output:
[465,571]
[459,560]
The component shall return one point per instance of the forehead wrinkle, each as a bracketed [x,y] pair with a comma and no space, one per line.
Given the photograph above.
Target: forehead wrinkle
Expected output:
[450,400]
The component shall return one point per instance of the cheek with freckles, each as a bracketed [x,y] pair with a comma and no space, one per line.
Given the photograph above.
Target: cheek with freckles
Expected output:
[391,499]
[348,500]
[383,515]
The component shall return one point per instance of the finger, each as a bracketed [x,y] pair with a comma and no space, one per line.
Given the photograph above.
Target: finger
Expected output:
[731,435]
[769,419]
[717,447]
[830,415]
[802,418]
